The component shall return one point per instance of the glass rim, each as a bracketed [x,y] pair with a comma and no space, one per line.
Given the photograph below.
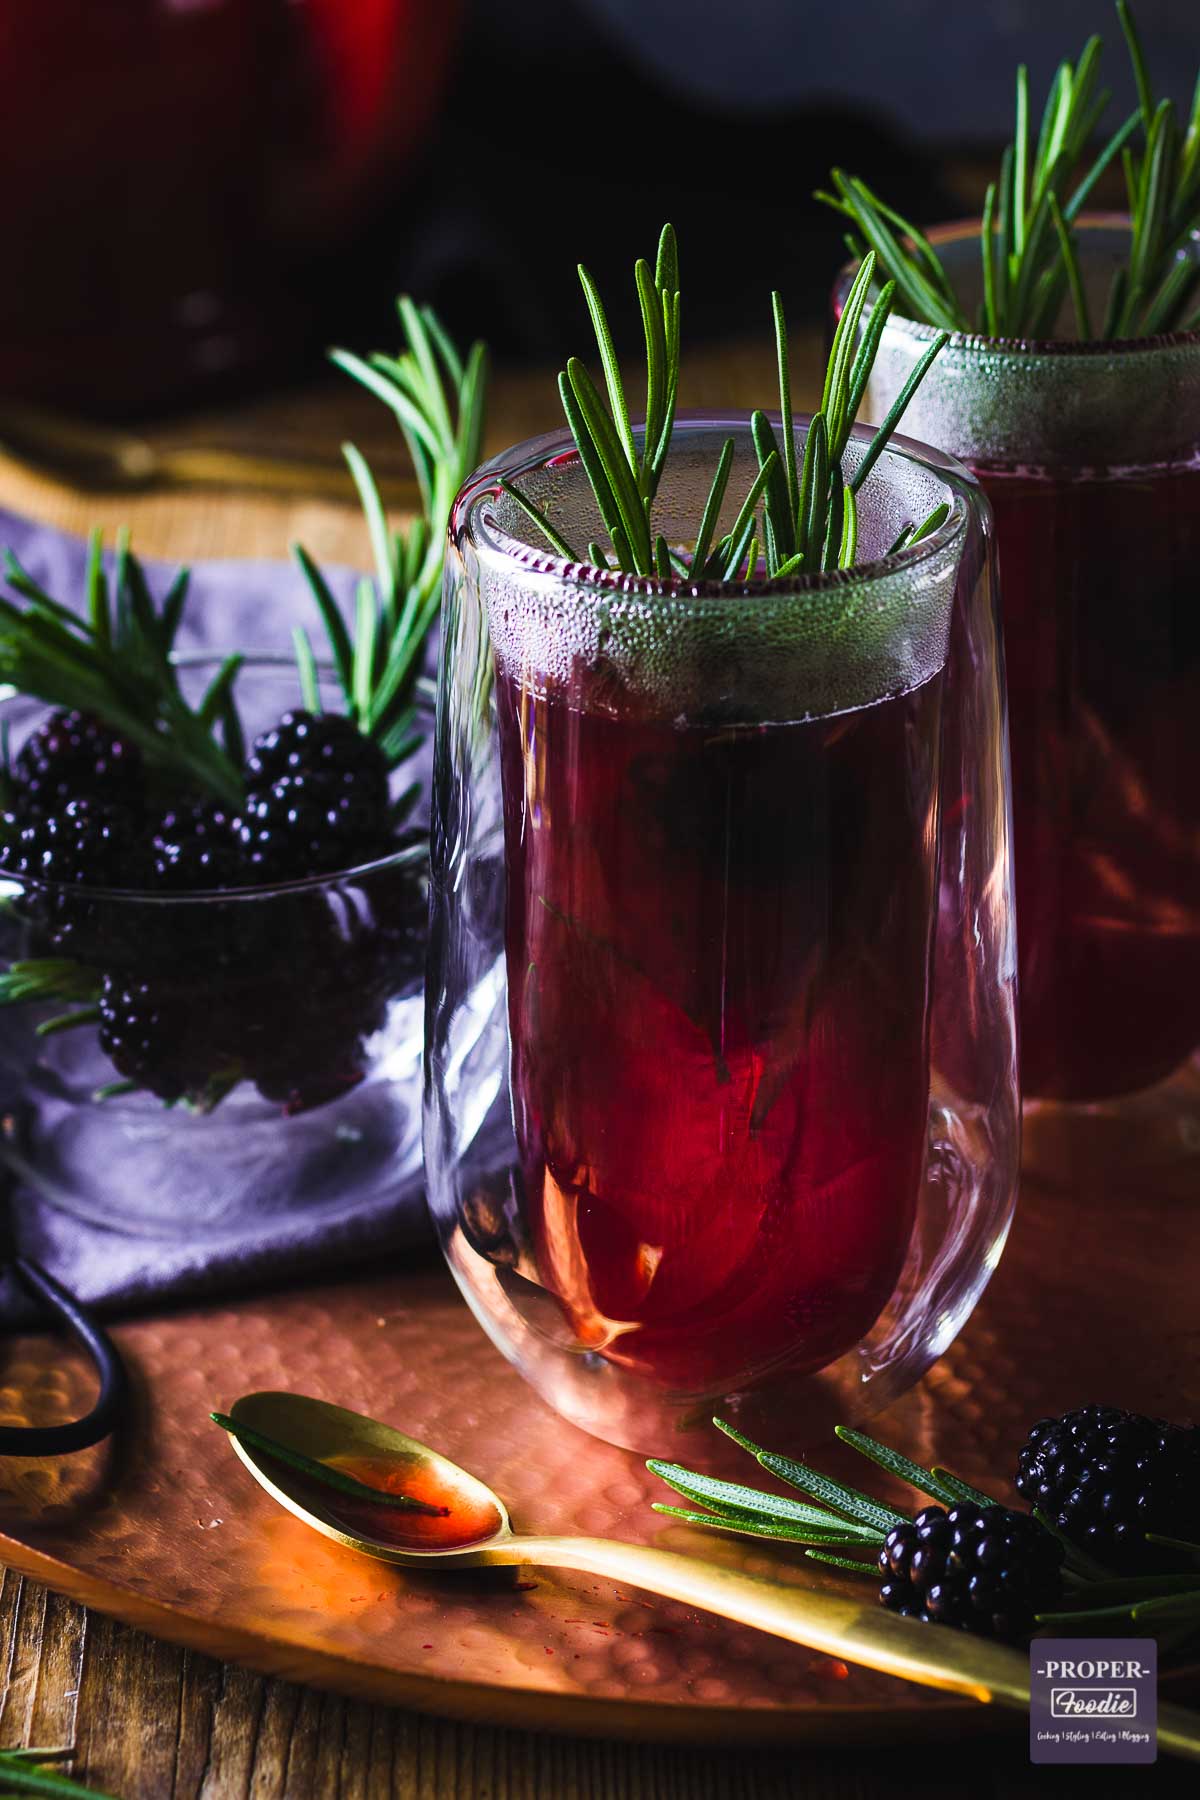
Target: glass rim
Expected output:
[974,343]
[500,550]
[412,854]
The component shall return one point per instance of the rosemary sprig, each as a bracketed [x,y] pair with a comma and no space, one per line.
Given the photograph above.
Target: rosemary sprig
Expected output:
[21,1773]
[796,517]
[624,478]
[810,515]
[1028,247]
[1160,283]
[1184,1546]
[54,978]
[116,661]
[48,978]
[328,1476]
[837,1524]
[437,397]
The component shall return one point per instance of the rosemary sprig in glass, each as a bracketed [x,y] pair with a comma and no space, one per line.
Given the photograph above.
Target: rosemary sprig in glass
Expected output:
[1156,289]
[624,476]
[1028,246]
[799,516]
[810,512]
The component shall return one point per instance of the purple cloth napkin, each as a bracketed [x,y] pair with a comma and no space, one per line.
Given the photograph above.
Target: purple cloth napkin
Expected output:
[120,1265]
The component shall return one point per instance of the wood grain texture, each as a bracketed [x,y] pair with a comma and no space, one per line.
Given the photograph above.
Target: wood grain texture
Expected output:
[151,1722]
[154,1722]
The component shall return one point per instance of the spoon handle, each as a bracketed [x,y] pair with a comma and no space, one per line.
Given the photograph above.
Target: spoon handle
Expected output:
[859,1631]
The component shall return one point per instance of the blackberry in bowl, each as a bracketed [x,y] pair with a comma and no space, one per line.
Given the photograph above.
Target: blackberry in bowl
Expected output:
[196,1033]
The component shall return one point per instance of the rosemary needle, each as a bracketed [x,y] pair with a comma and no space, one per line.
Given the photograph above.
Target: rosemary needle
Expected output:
[323,1472]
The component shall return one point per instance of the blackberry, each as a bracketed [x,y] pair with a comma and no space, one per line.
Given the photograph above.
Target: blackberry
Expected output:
[308,825]
[74,756]
[305,743]
[155,1038]
[308,1040]
[195,848]
[981,1568]
[1105,1477]
[316,798]
[86,843]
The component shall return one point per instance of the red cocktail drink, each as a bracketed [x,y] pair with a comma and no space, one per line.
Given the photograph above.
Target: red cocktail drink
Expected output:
[718,951]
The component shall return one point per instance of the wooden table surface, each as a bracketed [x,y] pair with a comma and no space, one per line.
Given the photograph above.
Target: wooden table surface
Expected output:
[152,1722]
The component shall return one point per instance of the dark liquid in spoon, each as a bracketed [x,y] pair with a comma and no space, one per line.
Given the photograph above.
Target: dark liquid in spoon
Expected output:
[470,1516]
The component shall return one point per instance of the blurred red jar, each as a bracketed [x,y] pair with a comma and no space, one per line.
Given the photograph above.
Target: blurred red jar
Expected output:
[177,168]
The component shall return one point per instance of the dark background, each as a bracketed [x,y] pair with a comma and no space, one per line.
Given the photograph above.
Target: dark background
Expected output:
[201,194]
[572,128]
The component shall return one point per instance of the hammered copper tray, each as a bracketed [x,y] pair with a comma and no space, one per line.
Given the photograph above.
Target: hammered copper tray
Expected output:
[1095,1298]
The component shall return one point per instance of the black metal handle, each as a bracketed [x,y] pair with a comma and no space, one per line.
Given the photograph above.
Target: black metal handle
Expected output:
[78,1434]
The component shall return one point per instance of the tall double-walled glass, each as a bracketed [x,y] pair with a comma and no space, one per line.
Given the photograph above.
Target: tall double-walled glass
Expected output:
[1090,456]
[721,1102]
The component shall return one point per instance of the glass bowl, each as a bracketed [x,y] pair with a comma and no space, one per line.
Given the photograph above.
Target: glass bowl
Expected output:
[293,1013]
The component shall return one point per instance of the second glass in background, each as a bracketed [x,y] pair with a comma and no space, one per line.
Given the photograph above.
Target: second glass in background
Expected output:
[1090,455]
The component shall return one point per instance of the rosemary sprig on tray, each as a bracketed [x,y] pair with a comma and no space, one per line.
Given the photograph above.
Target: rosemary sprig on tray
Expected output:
[438,398]
[1028,247]
[846,1528]
[799,516]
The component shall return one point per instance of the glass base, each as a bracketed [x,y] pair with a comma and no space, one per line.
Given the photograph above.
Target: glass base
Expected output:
[1146,1143]
[949,1264]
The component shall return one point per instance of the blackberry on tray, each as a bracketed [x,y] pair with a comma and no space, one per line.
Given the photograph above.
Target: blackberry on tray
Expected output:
[1105,1478]
[965,1561]
[985,1569]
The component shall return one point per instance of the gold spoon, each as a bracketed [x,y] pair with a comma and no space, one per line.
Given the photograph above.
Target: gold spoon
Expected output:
[475,1532]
